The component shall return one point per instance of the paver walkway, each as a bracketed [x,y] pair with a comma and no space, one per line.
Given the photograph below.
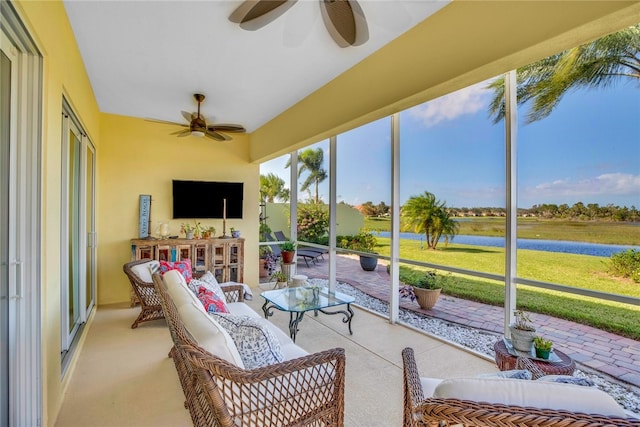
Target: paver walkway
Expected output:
[611,354]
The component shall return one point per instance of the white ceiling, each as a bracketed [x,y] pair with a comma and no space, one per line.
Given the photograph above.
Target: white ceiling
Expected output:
[147,58]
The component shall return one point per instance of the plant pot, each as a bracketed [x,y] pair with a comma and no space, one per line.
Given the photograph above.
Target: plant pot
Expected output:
[287,256]
[542,354]
[235,234]
[368,263]
[521,339]
[281,285]
[426,298]
[263,269]
[189,235]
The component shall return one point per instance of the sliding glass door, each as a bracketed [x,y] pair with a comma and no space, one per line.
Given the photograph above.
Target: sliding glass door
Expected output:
[78,255]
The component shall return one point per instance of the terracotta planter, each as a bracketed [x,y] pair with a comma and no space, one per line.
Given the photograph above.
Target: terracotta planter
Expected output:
[426,298]
[287,256]
[262,269]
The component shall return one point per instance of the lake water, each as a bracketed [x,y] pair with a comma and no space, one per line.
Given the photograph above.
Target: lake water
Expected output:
[580,248]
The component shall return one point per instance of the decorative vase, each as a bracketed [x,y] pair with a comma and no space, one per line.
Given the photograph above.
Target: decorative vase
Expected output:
[287,256]
[368,263]
[521,339]
[426,298]
[542,354]
[189,235]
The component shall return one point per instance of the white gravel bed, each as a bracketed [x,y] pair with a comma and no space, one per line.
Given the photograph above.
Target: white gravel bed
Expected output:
[479,341]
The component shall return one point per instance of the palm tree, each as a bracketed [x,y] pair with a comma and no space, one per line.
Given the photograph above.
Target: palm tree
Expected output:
[311,160]
[600,63]
[426,214]
[272,188]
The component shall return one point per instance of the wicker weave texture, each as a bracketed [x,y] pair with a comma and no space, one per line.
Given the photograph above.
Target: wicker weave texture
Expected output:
[145,292]
[419,411]
[307,391]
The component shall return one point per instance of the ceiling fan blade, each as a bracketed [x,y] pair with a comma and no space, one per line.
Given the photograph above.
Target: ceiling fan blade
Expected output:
[255,14]
[217,136]
[188,116]
[166,122]
[181,133]
[227,127]
[345,22]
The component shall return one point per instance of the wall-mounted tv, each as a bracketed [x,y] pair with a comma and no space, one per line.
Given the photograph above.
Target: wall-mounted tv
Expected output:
[205,199]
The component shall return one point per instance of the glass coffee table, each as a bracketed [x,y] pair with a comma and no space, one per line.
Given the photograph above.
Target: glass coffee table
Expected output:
[297,301]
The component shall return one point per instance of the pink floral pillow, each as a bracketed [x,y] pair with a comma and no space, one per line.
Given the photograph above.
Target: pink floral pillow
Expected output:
[184,267]
[212,303]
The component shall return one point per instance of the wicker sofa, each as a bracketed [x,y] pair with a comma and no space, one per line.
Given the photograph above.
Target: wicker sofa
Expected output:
[303,390]
[433,402]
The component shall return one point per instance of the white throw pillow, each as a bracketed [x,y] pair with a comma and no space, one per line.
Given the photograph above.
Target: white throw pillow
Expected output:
[209,334]
[144,271]
[257,345]
[538,394]
[178,290]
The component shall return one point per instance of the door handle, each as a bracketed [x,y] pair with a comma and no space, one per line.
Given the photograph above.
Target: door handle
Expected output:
[18,266]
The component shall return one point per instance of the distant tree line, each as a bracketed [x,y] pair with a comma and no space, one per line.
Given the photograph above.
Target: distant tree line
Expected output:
[579,211]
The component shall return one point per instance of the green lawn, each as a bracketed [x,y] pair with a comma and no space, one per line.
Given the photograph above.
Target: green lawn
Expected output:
[567,269]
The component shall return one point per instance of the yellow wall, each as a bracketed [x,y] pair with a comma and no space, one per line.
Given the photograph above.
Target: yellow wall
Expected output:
[63,73]
[140,157]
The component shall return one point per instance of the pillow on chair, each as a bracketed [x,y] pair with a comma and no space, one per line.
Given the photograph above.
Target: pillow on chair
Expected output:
[257,345]
[184,267]
[538,394]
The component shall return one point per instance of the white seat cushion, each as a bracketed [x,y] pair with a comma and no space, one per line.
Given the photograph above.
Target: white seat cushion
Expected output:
[209,334]
[538,394]
[242,309]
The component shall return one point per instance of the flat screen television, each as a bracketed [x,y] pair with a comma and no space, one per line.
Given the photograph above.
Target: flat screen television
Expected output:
[205,199]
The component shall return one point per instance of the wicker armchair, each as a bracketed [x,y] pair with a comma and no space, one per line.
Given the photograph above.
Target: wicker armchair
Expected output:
[308,391]
[145,293]
[419,411]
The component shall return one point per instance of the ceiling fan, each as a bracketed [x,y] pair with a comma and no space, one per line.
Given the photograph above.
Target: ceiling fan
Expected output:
[198,126]
[344,19]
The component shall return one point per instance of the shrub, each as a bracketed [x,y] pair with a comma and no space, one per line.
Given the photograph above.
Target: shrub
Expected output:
[313,223]
[626,264]
[364,241]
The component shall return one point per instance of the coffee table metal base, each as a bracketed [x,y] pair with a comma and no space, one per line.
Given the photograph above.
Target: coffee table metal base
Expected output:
[296,317]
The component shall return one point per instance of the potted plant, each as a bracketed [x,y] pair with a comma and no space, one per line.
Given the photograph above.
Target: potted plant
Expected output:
[543,347]
[364,241]
[288,250]
[522,331]
[235,233]
[280,278]
[188,230]
[208,232]
[268,261]
[424,288]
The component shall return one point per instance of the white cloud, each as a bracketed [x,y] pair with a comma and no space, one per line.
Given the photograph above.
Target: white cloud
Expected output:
[469,100]
[610,184]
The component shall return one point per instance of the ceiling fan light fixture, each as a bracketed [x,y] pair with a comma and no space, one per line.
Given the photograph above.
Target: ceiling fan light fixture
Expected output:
[197,132]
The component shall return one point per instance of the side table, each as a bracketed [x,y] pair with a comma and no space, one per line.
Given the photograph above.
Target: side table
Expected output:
[507,361]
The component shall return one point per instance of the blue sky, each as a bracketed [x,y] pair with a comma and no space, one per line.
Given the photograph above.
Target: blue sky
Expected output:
[587,150]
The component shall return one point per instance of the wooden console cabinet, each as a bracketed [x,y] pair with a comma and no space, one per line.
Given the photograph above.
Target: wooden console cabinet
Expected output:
[223,257]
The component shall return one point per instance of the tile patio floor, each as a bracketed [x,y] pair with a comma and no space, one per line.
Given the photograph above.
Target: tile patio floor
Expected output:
[611,354]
